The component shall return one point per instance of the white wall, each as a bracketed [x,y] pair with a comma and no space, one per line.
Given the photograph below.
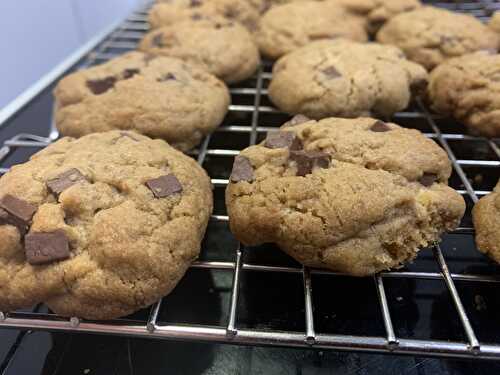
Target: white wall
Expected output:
[35,35]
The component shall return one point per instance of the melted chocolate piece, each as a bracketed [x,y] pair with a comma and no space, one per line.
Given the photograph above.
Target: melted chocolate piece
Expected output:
[331,72]
[195,3]
[100,86]
[64,181]
[129,73]
[380,127]
[428,179]
[43,248]
[164,186]
[283,139]
[242,170]
[16,212]
[308,160]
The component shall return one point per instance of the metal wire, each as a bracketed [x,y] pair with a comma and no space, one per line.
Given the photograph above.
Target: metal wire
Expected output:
[254,91]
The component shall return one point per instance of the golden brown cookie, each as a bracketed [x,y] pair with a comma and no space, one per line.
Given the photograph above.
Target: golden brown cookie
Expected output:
[162,98]
[222,47]
[468,88]
[285,28]
[353,195]
[486,216]
[101,226]
[166,13]
[430,35]
[346,79]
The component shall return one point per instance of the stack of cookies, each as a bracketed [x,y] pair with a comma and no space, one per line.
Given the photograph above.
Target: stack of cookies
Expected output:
[108,219]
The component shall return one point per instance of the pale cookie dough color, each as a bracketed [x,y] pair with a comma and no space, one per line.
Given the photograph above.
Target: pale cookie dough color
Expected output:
[162,98]
[486,216]
[430,35]
[494,22]
[101,226]
[287,27]
[222,47]
[345,79]
[169,12]
[468,88]
[353,195]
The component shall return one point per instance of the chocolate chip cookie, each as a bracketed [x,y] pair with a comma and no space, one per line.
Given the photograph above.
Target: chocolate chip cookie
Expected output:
[353,195]
[486,216]
[162,98]
[222,47]
[344,78]
[287,27]
[494,22]
[169,12]
[101,226]
[468,87]
[430,35]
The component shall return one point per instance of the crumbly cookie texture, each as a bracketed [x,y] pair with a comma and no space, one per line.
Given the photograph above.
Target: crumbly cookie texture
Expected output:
[494,22]
[430,35]
[169,12]
[353,195]
[101,226]
[346,79]
[222,47]
[287,27]
[162,98]
[468,88]
[486,216]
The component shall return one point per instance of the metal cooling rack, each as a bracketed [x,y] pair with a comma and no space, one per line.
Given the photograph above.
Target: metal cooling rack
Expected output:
[251,115]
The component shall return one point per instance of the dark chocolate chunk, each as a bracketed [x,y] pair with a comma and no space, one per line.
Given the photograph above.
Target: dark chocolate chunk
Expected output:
[308,160]
[331,72]
[129,73]
[231,13]
[195,3]
[242,170]
[196,17]
[166,77]
[379,127]
[418,87]
[283,139]
[100,86]
[157,40]
[428,179]
[164,186]
[64,181]
[43,248]
[16,212]
[218,25]
[296,120]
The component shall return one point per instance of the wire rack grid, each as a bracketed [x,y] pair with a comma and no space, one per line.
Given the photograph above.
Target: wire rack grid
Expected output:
[252,115]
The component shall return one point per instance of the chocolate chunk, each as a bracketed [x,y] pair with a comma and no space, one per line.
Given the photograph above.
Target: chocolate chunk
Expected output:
[331,72]
[166,77]
[195,3]
[296,120]
[242,170]
[157,40]
[379,127]
[418,87]
[129,73]
[283,139]
[64,181]
[428,179]
[16,212]
[164,186]
[231,13]
[100,86]
[308,160]
[196,17]
[43,248]
[218,25]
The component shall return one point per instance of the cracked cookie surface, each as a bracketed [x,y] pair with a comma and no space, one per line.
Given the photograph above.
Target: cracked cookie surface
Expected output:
[346,79]
[468,87]
[431,35]
[167,13]
[287,27]
[221,47]
[161,98]
[131,231]
[361,196]
[486,218]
